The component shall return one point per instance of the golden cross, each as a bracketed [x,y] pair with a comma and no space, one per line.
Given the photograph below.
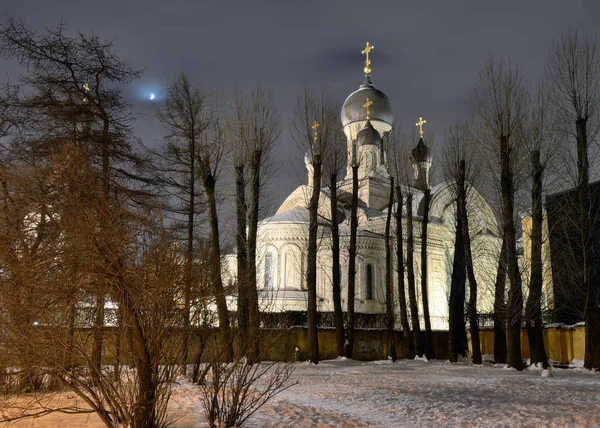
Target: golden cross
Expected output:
[420,124]
[366,51]
[366,106]
[314,127]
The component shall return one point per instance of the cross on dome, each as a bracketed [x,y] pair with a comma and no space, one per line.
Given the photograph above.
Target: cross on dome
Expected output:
[420,124]
[367,106]
[365,52]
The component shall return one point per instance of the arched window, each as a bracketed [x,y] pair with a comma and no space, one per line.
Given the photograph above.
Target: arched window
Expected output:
[369,282]
[268,270]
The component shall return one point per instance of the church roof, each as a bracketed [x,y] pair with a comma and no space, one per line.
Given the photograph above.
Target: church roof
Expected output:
[353,109]
[294,215]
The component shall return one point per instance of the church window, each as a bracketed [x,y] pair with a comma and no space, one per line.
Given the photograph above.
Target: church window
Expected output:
[268,270]
[369,282]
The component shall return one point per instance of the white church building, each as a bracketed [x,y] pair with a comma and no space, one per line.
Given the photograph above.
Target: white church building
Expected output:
[283,238]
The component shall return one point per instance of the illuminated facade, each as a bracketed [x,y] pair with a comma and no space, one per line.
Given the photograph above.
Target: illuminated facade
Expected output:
[368,120]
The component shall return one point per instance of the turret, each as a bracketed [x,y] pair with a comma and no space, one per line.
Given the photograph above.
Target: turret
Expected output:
[421,160]
[381,114]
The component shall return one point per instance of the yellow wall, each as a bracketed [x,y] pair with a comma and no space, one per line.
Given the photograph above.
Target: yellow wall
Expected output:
[547,267]
[562,344]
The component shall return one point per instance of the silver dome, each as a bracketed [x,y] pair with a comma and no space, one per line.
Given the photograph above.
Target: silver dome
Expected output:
[353,109]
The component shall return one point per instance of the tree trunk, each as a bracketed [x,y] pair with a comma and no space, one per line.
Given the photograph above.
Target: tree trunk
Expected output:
[456,309]
[311,262]
[98,333]
[198,355]
[72,317]
[338,315]
[533,309]
[144,413]
[473,318]
[592,338]
[189,256]
[242,258]
[389,298]
[120,334]
[215,267]
[515,294]
[254,316]
[349,345]
[100,297]
[410,269]
[429,351]
[500,308]
[590,278]
[409,351]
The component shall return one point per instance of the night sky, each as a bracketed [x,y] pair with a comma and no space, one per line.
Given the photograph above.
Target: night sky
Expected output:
[426,58]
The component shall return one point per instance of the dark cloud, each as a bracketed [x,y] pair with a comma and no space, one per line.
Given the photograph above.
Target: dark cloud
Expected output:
[426,58]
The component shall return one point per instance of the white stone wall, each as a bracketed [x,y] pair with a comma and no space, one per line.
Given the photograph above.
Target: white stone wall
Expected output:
[286,242]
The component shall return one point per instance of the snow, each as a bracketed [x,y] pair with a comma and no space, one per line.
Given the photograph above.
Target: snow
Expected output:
[547,372]
[350,393]
[576,363]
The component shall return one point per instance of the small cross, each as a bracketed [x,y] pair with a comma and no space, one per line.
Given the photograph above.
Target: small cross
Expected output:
[366,51]
[420,124]
[368,110]
[314,127]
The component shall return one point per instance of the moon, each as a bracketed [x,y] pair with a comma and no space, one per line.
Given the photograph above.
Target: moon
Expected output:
[151,96]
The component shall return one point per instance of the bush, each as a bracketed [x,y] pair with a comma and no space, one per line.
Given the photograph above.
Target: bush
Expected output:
[233,392]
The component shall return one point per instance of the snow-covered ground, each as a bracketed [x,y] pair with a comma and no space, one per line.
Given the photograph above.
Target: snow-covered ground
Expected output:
[346,393]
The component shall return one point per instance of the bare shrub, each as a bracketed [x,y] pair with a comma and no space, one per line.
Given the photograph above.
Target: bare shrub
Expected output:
[233,392]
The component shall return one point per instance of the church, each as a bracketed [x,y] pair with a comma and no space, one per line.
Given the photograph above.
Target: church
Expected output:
[368,121]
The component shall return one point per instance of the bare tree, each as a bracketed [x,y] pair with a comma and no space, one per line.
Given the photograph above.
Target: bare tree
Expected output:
[181,117]
[209,159]
[537,142]
[236,127]
[428,349]
[389,259]
[335,159]
[350,313]
[73,93]
[473,316]
[311,259]
[421,160]
[461,164]
[574,76]
[315,129]
[410,269]
[399,168]
[499,102]
[456,322]
[500,308]
[192,118]
[255,127]
[52,239]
